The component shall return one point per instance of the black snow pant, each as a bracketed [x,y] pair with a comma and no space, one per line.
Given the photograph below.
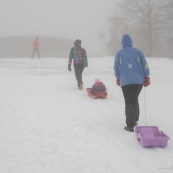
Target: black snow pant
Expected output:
[131,93]
[35,50]
[78,68]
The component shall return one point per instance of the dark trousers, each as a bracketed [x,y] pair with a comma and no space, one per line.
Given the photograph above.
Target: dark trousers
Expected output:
[131,94]
[35,50]
[78,68]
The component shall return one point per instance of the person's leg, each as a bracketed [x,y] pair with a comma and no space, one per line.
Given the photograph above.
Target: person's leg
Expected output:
[77,71]
[81,68]
[33,53]
[129,108]
[127,93]
[38,53]
[129,111]
[136,91]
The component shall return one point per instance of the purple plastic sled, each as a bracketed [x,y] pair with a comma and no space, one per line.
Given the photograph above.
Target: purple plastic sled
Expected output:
[150,136]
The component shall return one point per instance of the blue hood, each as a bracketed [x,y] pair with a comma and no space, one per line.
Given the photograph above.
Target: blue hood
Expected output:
[126,41]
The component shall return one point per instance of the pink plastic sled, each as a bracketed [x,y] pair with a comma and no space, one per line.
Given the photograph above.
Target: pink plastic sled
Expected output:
[150,136]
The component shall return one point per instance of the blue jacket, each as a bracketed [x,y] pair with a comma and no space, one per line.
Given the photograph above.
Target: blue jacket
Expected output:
[130,65]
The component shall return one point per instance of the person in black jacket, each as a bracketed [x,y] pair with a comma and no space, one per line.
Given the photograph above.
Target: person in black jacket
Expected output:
[79,57]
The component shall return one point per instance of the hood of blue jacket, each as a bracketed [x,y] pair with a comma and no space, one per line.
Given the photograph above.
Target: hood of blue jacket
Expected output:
[126,41]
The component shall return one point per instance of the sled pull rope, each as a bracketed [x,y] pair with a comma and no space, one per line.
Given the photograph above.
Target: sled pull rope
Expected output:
[145,108]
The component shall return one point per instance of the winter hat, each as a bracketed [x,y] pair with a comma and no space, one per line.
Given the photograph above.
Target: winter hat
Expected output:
[97,80]
[77,42]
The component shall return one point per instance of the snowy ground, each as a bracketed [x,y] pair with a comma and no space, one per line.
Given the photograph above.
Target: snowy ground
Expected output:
[48,126]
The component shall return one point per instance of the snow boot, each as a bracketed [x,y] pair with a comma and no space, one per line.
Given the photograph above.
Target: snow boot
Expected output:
[129,129]
[81,86]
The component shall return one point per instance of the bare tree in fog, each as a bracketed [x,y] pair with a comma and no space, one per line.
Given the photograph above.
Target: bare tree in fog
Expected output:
[167,5]
[115,33]
[143,19]
[166,8]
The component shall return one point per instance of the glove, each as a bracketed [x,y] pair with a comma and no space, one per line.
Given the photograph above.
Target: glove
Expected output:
[118,82]
[69,67]
[86,64]
[146,81]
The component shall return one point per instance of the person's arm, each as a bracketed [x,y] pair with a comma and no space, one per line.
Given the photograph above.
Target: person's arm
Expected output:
[93,88]
[146,70]
[85,58]
[104,87]
[116,66]
[145,66]
[70,59]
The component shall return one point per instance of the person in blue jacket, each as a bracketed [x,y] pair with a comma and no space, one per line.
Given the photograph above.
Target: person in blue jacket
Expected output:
[132,72]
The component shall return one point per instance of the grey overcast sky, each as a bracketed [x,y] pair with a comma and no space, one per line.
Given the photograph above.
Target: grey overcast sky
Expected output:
[83,19]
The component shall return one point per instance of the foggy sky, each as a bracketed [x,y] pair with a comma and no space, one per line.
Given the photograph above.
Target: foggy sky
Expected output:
[83,19]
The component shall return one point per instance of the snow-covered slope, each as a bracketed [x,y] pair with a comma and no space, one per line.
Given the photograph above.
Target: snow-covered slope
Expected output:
[48,126]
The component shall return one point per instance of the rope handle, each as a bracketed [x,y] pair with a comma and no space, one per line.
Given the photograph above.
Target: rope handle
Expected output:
[145,108]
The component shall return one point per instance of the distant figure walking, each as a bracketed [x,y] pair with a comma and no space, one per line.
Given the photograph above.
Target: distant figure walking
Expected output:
[79,57]
[35,48]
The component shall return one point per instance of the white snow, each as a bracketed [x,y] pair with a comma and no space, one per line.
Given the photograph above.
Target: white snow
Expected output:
[47,125]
